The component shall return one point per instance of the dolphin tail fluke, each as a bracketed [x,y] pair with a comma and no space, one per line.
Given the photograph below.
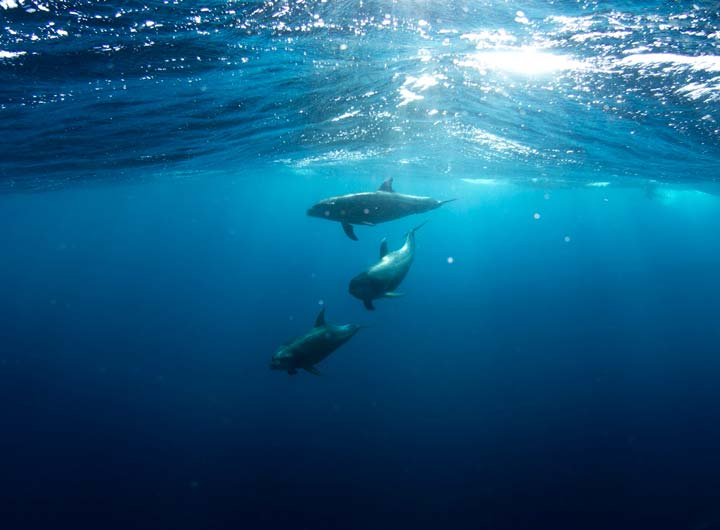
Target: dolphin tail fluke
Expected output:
[349,231]
[418,227]
[369,305]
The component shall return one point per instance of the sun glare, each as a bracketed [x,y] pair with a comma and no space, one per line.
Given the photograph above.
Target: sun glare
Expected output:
[526,61]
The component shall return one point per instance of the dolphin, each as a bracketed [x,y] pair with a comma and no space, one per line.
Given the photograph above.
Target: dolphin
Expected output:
[311,348]
[371,208]
[381,280]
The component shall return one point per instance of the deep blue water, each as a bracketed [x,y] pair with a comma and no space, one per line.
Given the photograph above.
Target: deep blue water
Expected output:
[554,362]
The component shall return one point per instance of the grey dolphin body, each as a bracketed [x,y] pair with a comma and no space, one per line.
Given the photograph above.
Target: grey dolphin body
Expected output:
[371,208]
[311,348]
[381,280]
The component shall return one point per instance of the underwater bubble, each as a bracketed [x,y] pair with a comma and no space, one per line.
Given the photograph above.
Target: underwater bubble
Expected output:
[321,302]
[327,213]
[366,211]
[536,215]
[567,239]
[451,260]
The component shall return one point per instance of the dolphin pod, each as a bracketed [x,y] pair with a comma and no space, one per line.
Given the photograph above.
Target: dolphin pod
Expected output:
[379,281]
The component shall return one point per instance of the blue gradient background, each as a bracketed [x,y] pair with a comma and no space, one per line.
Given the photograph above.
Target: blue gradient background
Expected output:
[561,372]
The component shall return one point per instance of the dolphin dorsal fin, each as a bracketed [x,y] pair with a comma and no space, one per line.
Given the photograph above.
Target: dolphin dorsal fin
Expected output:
[387,185]
[320,320]
[383,248]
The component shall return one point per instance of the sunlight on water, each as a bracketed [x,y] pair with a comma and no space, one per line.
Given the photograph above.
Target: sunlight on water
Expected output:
[482,182]
[527,61]
[452,88]
[707,63]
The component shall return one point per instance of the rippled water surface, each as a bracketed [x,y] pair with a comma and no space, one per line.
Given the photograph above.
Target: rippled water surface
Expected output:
[560,90]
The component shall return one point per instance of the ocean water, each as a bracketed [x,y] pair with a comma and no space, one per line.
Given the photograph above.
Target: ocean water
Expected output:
[554,361]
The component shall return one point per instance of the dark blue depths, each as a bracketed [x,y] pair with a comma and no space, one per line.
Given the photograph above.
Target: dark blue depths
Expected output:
[533,382]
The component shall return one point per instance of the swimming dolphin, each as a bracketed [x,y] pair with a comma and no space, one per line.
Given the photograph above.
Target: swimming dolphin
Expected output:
[306,351]
[381,280]
[371,208]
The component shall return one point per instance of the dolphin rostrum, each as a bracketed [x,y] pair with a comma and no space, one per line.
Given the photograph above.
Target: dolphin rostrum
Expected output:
[381,280]
[371,208]
[311,348]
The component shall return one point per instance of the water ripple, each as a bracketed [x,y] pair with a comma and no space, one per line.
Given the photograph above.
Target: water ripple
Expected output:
[443,89]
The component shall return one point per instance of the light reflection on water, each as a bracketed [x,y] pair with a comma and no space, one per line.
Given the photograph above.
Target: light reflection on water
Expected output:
[599,88]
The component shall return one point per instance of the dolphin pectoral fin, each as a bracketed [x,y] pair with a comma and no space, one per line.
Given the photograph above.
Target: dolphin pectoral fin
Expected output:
[445,202]
[349,231]
[292,371]
[387,185]
[383,248]
[312,370]
[392,294]
[369,305]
